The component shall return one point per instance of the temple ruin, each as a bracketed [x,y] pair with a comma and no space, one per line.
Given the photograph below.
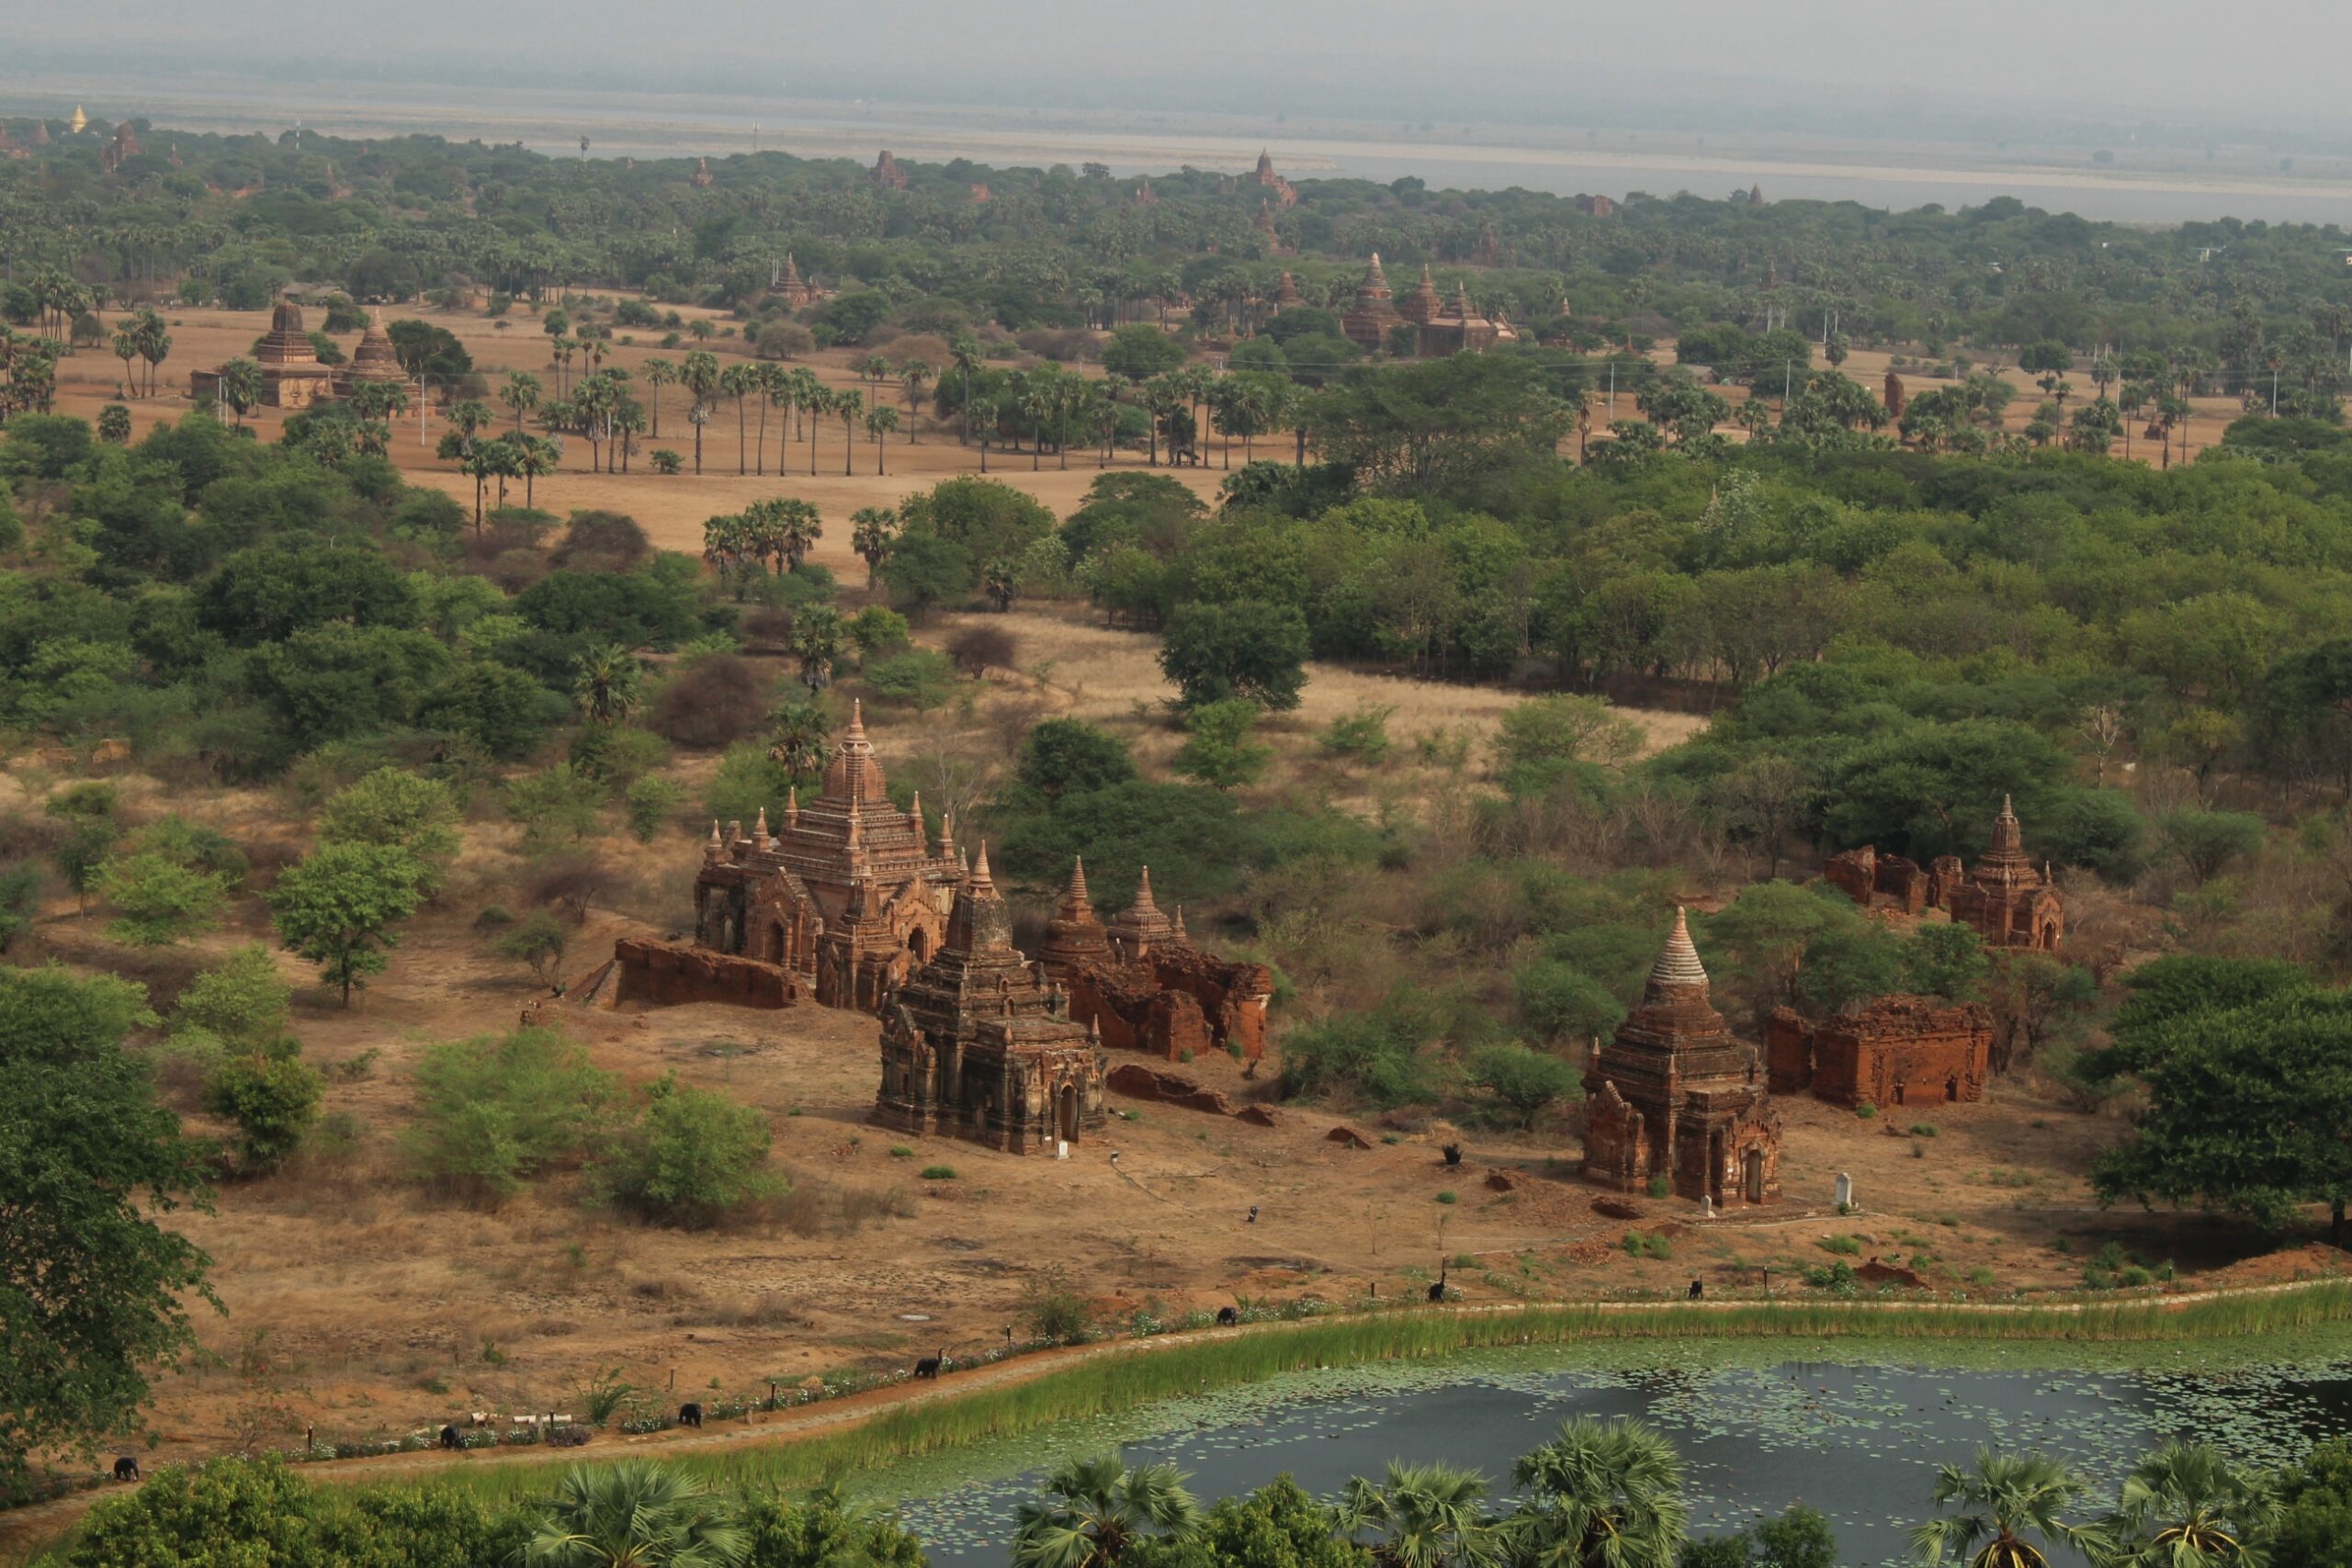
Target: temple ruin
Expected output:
[1674,1095]
[1440,326]
[976,1045]
[851,896]
[1897,1050]
[1141,984]
[2004,899]
[291,375]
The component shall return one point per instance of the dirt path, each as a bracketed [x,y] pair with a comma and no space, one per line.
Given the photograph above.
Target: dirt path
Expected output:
[23,1530]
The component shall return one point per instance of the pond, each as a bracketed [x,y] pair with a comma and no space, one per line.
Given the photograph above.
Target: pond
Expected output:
[1856,1435]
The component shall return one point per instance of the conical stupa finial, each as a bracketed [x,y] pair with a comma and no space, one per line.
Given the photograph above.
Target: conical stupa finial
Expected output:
[980,868]
[1679,963]
[1143,892]
[792,805]
[1077,888]
[857,718]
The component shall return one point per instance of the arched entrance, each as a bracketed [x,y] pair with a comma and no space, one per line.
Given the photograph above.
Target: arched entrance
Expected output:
[1066,1113]
[919,945]
[1754,1185]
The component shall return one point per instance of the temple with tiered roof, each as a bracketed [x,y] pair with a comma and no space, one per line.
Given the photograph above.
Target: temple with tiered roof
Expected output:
[1440,326]
[1675,1096]
[849,893]
[375,360]
[291,375]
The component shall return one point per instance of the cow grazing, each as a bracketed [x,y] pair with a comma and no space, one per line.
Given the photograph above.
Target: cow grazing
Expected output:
[1228,1316]
[690,1414]
[1698,1289]
[125,1467]
[932,1366]
[450,1439]
[1437,1291]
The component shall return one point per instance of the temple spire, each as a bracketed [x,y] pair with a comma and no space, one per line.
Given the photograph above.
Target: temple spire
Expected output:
[1679,963]
[792,805]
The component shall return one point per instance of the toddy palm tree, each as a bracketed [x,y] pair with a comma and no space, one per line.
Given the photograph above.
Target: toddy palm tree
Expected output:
[606,683]
[2013,1504]
[985,412]
[739,382]
[880,421]
[1423,1515]
[659,373]
[872,531]
[1601,1494]
[799,734]
[965,352]
[817,641]
[699,376]
[850,403]
[2186,1506]
[241,387]
[912,374]
[1095,1509]
[155,344]
[635,1514]
[520,394]
[535,456]
[126,348]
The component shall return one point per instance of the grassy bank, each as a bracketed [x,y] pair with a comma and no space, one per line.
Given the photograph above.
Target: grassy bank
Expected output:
[1129,1376]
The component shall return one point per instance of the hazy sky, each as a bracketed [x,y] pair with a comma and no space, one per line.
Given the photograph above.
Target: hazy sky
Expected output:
[2179,61]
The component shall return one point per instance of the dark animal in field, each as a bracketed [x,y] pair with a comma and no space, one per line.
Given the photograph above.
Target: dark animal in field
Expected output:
[125,1467]
[1228,1316]
[1437,1291]
[1698,1289]
[929,1367]
[690,1414]
[1452,1152]
[1253,1216]
[449,1438]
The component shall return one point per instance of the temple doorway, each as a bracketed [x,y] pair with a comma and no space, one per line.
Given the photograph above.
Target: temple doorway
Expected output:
[919,944]
[1754,1185]
[1066,1113]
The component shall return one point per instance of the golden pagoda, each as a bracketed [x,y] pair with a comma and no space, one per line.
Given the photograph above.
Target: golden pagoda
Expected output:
[79,123]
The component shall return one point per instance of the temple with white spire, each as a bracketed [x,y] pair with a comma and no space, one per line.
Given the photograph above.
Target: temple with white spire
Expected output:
[1675,1096]
[849,893]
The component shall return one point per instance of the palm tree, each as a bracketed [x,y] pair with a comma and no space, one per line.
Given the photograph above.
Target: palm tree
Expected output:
[1601,1494]
[817,641]
[966,352]
[872,529]
[628,423]
[739,382]
[659,373]
[2186,1506]
[241,386]
[635,1514]
[880,421]
[816,402]
[986,410]
[155,344]
[2010,1497]
[521,394]
[799,731]
[126,348]
[850,403]
[912,374]
[1423,1515]
[605,682]
[534,455]
[699,376]
[1094,1509]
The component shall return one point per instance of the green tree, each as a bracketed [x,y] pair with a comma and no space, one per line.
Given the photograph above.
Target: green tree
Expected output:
[2206,843]
[2010,1512]
[1601,1494]
[825,1532]
[694,1158]
[158,899]
[2314,1529]
[1069,756]
[230,1510]
[496,1110]
[337,906]
[1278,1526]
[274,1100]
[923,570]
[2186,1506]
[1141,351]
[1423,1515]
[1527,1081]
[1095,1512]
[94,1292]
[635,1514]
[240,1001]
[1217,749]
[536,942]
[1245,647]
[607,683]
[398,810]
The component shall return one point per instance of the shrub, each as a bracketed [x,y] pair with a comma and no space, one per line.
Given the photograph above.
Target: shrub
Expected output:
[1362,735]
[876,628]
[977,650]
[1381,1055]
[939,1173]
[240,1001]
[1068,756]
[920,678]
[1527,1081]
[1844,1246]
[712,702]
[649,803]
[1658,1186]
[693,1158]
[555,805]
[747,781]
[539,943]
[1219,751]
[273,1100]
[1057,1313]
[158,901]
[493,1111]
[1449,1197]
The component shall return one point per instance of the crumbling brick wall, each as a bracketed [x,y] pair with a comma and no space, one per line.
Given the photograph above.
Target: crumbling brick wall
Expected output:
[1899,1050]
[1175,1001]
[670,975]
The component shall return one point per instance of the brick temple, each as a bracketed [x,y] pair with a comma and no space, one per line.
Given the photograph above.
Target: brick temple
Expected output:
[977,1044]
[1442,326]
[2005,897]
[1897,1050]
[1675,1095]
[850,897]
[291,375]
[1144,986]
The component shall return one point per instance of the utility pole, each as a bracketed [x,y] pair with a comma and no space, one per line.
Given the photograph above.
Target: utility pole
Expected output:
[1788,377]
[1612,389]
[2274,391]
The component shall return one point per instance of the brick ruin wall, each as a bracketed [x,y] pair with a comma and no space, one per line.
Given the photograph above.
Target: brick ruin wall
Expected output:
[1897,1051]
[1177,1001]
[670,975]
